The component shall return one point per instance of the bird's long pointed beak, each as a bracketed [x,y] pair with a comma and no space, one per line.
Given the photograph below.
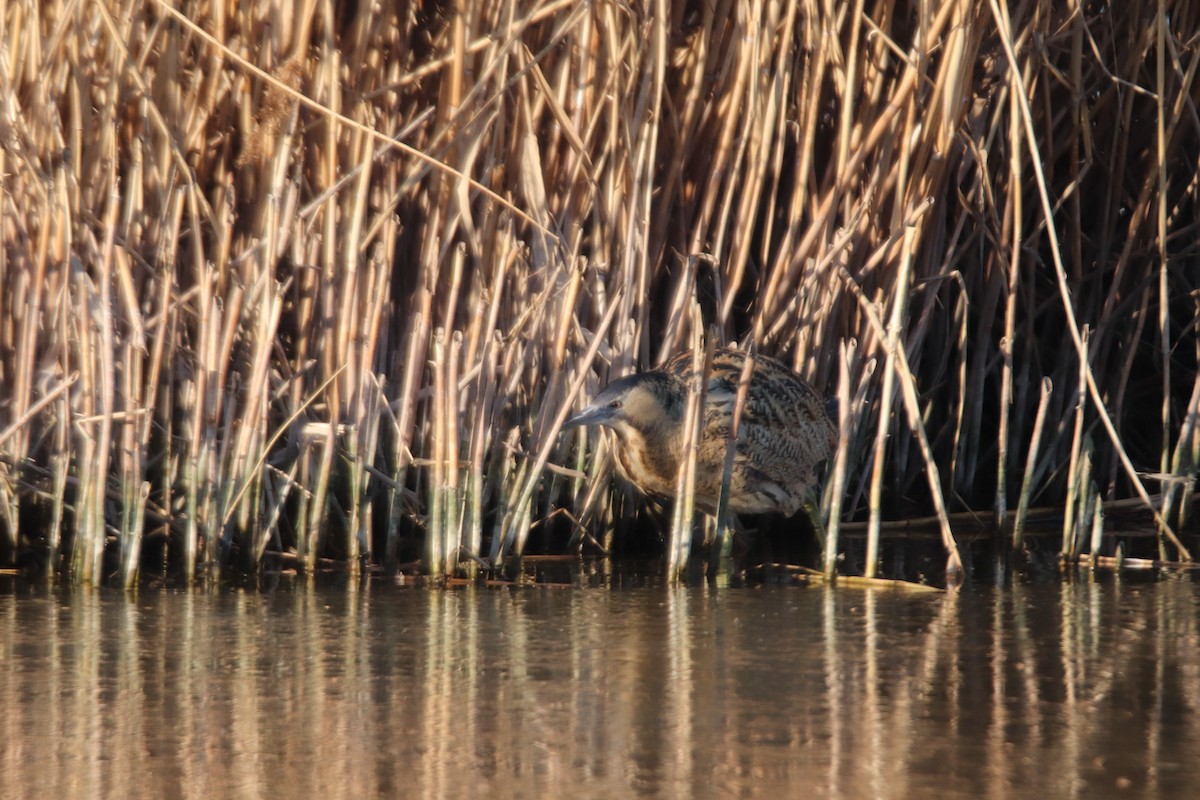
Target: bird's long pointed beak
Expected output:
[591,415]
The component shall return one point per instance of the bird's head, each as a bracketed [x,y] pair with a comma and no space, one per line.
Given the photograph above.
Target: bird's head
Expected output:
[642,403]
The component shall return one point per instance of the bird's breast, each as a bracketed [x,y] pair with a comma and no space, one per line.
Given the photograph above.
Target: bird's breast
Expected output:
[648,462]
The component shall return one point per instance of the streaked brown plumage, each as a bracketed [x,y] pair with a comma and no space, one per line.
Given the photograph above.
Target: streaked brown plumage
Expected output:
[785,432]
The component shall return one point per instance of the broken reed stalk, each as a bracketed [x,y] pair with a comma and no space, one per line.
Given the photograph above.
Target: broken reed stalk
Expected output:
[1031,461]
[1096,506]
[452,495]
[1078,443]
[1181,481]
[205,220]
[1079,515]
[479,441]
[438,487]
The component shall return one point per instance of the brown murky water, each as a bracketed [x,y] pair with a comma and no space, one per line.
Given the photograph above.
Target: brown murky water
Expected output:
[1074,690]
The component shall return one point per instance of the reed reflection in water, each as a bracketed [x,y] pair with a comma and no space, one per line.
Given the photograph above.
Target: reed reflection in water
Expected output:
[1058,691]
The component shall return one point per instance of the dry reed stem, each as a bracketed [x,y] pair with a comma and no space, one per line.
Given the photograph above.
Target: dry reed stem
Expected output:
[1023,503]
[836,483]
[679,539]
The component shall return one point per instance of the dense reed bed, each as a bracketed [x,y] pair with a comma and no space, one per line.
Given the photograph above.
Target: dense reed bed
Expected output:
[324,279]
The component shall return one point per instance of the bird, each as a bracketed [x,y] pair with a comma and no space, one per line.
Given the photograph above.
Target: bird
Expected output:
[785,432]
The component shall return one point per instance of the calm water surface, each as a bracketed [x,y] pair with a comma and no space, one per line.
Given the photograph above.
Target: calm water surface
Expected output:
[1074,690]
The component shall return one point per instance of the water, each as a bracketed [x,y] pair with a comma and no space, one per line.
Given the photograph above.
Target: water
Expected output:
[1073,690]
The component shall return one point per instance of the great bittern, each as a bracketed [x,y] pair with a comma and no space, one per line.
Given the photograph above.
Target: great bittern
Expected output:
[784,434]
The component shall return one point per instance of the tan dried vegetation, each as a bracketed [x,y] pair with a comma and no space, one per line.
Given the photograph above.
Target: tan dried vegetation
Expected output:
[321,280]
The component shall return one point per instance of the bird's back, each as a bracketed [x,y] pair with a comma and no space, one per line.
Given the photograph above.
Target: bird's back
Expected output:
[784,434]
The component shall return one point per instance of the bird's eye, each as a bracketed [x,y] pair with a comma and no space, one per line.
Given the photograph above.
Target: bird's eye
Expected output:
[615,404]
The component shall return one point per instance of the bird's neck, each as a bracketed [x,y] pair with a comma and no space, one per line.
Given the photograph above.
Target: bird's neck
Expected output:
[650,457]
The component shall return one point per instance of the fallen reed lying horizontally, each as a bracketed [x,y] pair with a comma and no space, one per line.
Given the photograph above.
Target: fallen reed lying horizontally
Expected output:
[325,279]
